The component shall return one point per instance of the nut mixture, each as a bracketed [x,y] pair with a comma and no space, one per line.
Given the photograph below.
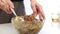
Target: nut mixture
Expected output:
[28,25]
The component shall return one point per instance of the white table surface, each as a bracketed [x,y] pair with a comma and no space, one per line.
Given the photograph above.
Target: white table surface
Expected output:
[49,6]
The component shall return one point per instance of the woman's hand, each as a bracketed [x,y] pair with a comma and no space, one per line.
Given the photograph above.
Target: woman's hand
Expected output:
[37,9]
[6,5]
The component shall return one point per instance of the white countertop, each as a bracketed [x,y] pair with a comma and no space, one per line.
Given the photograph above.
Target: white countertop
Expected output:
[49,6]
[7,29]
[47,29]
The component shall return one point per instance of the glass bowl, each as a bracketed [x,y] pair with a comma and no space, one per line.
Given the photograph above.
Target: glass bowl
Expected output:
[27,27]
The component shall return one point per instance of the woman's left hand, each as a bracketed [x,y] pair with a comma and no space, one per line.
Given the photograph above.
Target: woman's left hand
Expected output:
[37,9]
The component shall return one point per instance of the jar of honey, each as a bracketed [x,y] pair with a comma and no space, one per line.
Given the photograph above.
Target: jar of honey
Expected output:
[55,17]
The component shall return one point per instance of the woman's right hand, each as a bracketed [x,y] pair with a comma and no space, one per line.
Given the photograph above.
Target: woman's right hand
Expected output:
[6,5]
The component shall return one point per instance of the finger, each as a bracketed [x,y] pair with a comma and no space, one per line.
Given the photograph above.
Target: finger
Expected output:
[6,7]
[34,10]
[7,10]
[2,3]
[40,11]
[10,4]
[40,17]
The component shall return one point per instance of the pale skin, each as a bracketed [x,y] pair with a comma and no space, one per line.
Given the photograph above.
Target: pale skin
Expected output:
[36,7]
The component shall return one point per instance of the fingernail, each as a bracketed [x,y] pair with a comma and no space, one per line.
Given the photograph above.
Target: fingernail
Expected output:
[12,6]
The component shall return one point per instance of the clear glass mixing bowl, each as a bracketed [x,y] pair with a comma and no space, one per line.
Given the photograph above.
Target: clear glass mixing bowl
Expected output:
[28,27]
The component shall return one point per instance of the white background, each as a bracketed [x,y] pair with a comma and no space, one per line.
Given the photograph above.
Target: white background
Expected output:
[49,7]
